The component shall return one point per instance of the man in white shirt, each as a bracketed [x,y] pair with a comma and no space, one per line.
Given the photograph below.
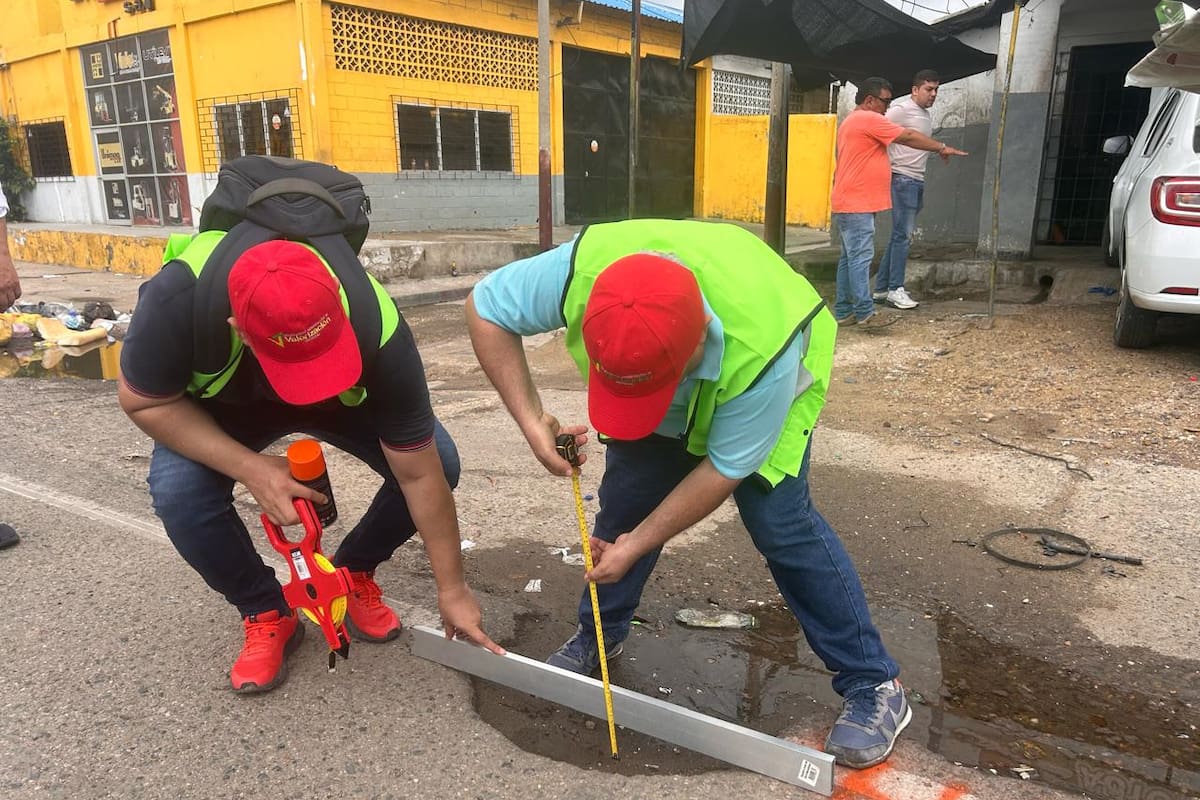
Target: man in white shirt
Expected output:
[908,188]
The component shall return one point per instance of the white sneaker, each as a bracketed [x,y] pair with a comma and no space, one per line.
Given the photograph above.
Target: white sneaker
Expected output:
[898,298]
[879,297]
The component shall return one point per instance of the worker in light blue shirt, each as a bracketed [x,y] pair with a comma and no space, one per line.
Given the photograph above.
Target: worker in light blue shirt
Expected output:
[707,360]
[526,296]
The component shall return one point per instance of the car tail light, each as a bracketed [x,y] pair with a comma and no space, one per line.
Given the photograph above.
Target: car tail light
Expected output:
[1176,200]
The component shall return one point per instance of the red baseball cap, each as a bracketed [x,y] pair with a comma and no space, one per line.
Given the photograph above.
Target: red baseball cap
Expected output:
[643,321]
[288,308]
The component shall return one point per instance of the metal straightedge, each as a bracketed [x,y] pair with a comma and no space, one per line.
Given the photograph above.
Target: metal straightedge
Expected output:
[742,747]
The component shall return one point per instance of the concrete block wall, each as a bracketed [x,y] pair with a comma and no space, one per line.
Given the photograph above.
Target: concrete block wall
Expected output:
[409,203]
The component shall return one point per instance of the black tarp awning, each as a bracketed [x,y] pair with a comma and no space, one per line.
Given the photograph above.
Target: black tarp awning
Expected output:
[827,40]
[984,16]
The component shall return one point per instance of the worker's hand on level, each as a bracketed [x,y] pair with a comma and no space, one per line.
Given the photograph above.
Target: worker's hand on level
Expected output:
[273,487]
[947,151]
[611,560]
[542,436]
[462,618]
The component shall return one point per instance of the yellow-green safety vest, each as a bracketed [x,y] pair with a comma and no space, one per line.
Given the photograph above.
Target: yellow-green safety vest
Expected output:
[762,305]
[194,251]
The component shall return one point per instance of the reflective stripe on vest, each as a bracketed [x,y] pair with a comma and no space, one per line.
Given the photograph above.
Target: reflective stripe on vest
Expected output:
[762,304]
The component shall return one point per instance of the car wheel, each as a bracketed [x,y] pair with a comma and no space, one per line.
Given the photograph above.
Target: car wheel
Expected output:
[1106,246]
[1135,326]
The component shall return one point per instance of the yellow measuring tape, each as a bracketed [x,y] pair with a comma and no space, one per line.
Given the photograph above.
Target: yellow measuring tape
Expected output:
[587,560]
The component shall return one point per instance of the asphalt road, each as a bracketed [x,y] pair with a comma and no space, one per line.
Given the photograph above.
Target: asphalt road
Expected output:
[115,680]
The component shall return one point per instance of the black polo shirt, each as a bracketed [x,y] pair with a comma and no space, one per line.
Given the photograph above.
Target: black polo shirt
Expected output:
[157,355]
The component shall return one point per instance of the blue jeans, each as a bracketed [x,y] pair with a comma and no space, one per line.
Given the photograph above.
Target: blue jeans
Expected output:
[805,556]
[195,503]
[854,265]
[908,197]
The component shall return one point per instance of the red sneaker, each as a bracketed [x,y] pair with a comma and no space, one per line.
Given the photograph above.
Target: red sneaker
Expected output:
[270,637]
[367,617]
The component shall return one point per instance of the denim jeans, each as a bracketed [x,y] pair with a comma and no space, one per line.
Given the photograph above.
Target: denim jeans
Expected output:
[854,265]
[195,503]
[908,197]
[805,556]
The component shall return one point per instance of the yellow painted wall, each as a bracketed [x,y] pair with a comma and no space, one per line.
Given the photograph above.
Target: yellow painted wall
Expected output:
[735,168]
[361,115]
[247,47]
[246,53]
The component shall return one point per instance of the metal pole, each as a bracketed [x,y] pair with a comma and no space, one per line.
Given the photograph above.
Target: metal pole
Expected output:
[635,87]
[775,205]
[1008,71]
[545,198]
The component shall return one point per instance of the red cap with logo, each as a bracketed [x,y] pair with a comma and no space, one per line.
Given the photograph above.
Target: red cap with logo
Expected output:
[288,308]
[643,321]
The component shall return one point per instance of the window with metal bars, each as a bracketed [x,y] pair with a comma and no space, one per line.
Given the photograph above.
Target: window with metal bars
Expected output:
[46,149]
[243,125]
[442,139]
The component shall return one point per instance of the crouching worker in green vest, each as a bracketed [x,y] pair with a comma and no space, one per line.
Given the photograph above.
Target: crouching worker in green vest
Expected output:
[296,350]
[707,360]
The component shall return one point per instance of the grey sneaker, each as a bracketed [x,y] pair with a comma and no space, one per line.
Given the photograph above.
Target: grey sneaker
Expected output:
[898,298]
[849,319]
[879,297]
[865,732]
[579,653]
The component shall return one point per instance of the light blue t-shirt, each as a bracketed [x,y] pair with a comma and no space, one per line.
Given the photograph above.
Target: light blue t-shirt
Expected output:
[525,298]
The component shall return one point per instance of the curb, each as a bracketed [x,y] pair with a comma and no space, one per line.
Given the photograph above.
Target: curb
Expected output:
[430,298]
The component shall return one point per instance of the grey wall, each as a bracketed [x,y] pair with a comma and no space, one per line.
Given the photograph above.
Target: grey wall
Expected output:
[1020,174]
[415,204]
[954,191]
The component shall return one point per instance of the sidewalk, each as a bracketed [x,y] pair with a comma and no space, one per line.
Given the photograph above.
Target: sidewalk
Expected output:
[390,255]
[441,266]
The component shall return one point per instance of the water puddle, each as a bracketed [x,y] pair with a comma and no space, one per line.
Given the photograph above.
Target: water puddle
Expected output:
[97,361]
[976,703]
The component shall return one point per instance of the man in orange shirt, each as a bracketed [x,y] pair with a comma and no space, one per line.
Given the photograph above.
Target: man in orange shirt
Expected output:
[862,186]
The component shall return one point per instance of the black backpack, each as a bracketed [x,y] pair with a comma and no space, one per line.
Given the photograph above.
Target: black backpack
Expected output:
[262,198]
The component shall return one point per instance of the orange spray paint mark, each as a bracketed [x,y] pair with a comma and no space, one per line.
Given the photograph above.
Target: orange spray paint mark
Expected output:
[856,784]
[864,785]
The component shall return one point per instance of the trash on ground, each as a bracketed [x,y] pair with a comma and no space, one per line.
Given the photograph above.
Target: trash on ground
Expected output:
[534,585]
[574,559]
[465,545]
[1024,772]
[702,618]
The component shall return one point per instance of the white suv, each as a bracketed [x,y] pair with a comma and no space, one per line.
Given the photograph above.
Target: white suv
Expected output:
[1153,227]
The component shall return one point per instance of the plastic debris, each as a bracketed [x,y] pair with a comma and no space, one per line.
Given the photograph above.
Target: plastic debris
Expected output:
[94,310]
[574,559]
[534,585]
[1024,772]
[701,618]
[465,545]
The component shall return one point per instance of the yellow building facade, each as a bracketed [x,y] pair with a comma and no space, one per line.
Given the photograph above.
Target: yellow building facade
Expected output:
[127,110]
